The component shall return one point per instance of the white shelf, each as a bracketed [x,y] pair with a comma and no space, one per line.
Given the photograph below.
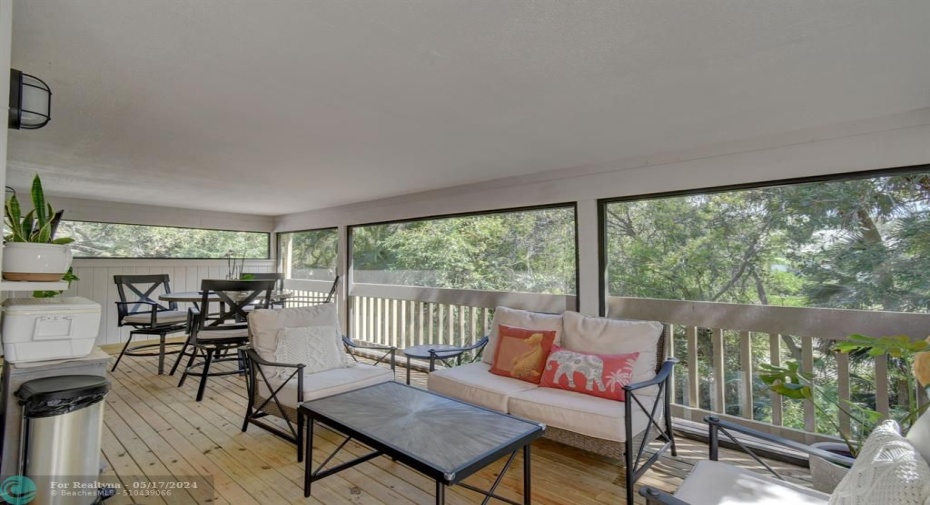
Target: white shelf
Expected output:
[33,286]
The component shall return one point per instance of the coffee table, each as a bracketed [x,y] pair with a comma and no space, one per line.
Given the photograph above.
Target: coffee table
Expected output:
[444,439]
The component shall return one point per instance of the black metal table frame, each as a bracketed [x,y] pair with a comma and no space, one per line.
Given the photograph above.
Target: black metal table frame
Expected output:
[442,480]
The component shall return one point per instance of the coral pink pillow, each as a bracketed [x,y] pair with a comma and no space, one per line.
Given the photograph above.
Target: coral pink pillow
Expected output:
[600,375]
[521,353]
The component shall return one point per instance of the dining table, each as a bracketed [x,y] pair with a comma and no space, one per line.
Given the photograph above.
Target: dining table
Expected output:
[196,297]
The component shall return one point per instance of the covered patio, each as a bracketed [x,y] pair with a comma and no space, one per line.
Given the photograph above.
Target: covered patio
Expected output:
[753,178]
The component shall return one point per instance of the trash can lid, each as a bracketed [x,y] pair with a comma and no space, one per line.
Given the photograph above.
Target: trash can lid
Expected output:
[62,387]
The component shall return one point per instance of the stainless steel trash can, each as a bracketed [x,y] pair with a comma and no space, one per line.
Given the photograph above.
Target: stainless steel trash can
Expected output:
[62,425]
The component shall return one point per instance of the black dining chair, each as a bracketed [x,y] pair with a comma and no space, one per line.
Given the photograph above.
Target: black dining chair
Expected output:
[221,326]
[278,277]
[137,307]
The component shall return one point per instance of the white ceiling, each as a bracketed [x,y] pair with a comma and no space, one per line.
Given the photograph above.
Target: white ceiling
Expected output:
[273,107]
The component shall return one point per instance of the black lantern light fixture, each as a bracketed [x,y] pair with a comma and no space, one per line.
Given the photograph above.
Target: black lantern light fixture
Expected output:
[30,101]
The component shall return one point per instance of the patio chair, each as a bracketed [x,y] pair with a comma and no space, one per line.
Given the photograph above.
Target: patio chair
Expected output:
[137,309]
[872,475]
[276,389]
[303,301]
[278,277]
[213,335]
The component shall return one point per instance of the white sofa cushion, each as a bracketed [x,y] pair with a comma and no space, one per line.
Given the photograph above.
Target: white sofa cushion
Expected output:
[520,319]
[600,335]
[264,325]
[474,383]
[888,469]
[584,414]
[328,383]
[718,483]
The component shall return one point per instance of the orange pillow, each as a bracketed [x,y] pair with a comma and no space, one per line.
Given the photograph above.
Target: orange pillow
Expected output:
[521,353]
[602,375]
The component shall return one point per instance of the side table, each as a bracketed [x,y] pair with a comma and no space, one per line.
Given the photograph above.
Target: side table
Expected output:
[442,352]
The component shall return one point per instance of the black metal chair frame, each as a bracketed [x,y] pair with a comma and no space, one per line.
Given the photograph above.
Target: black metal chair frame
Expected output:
[717,426]
[255,411]
[635,466]
[202,323]
[314,300]
[145,305]
[278,277]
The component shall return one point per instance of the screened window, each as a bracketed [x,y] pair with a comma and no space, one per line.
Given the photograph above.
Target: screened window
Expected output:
[308,254]
[108,240]
[853,244]
[522,251]
[859,243]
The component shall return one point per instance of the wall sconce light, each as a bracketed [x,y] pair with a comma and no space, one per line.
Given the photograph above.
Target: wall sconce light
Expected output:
[30,101]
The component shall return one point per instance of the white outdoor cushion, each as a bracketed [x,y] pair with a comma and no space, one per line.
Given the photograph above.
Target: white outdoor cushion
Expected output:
[164,317]
[580,413]
[888,469]
[474,383]
[717,483]
[264,325]
[615,336]
[222,334]
[328,383]
[520,319]
[318,347]
[919,435]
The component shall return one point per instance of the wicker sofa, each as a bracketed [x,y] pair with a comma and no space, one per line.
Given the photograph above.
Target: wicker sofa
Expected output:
[615,429]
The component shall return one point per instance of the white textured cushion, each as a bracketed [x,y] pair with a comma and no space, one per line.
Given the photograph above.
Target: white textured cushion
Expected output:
[888,469]
[222,334]
[520,319]
[584,414]
[919,435]
[474,383]
[317,347]
[328,383]
[718,483]
[615,336]
[264,325]
[163,318]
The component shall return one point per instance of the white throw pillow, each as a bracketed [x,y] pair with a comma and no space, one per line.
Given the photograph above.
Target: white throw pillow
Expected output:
[888,470]
[318,347]
[600,335]
[266,324]
[520,319]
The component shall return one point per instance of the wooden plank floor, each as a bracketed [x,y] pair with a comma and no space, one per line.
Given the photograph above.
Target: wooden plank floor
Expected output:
[155,430]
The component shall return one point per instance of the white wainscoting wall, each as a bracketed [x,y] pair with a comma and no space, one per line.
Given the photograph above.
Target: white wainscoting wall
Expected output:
[97,283]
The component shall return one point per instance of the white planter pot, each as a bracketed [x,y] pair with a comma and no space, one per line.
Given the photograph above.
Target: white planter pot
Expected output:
[824,474]
[25,261]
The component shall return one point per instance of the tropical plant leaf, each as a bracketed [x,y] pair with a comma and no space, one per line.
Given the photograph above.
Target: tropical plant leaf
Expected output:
[14,219]
[38,202]
[62,240]
[895,346]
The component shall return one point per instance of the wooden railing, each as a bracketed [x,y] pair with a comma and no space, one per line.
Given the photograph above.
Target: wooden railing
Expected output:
[720,344]
[404,316]
[306,292]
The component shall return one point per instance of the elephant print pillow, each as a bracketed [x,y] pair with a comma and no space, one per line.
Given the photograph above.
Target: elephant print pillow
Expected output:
[592,374]
[521,353]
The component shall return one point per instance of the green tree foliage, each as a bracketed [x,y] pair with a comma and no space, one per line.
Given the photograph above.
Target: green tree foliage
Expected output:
[855,244]
[105,240]
[527,251]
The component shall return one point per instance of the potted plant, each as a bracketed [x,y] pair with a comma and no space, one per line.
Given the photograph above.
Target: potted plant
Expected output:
[790,382]
[31,252]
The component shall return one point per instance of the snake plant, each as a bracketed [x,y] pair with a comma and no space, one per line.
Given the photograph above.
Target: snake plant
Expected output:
[38,225]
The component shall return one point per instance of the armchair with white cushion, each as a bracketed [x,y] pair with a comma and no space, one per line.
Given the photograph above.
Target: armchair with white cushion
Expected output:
[298,354]
[890,469]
